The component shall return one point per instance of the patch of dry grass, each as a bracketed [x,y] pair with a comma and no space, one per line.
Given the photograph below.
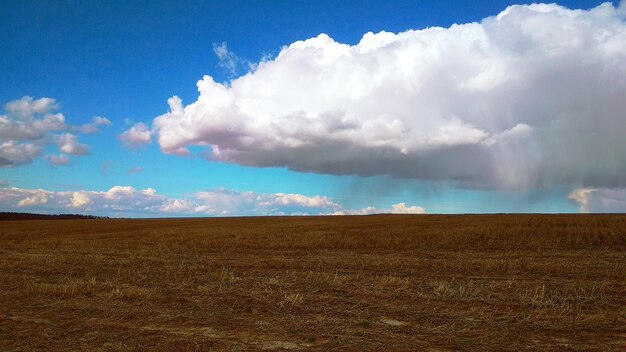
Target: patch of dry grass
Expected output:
[393,283]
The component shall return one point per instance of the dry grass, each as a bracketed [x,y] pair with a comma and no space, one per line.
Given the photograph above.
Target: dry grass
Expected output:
[375,283]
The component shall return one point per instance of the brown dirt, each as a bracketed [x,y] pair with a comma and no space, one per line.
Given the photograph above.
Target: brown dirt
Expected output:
[369,283]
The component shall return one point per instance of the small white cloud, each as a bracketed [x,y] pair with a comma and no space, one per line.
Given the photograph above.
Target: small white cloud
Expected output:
[26,107]
[139,134]
[402,208]
[118,192]
[305,201]
[58,160]
[364,211]
[178,206]
[149,192]
[101,121]
[68,143]
[92,127]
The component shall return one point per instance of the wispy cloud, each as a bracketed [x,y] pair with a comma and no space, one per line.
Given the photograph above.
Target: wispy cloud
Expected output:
[105,167]
[96,122]
[231,63]
[135,170]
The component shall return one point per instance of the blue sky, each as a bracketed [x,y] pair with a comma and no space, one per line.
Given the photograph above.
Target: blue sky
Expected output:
[123,60]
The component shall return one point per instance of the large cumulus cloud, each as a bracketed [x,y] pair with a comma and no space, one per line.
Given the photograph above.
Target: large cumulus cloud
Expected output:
[129,201]
[534,96]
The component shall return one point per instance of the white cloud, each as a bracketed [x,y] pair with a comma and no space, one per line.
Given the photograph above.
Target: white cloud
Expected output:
[364,211]
[235,202]
[92,127]
[580,196]
[600,200]
[35,197]
[119,192]
[80,199]
[26,107]
[304,201]
[533,96]
[126,200]
[13,153]
[138,134]
[402,208]
[68,143]
[58,160]
[29,125]
[178,206]
[101,121]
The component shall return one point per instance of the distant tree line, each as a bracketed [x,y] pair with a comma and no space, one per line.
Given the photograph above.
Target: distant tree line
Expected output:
[4,216]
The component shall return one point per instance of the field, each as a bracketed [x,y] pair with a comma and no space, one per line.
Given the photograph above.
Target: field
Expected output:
[363,283]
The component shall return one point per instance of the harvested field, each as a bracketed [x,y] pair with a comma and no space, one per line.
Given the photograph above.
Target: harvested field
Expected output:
[364,283]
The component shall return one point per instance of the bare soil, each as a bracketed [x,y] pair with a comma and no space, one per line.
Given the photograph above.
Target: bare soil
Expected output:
[363,283]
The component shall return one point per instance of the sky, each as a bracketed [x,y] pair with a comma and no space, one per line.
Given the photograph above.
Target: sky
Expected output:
[207,108]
